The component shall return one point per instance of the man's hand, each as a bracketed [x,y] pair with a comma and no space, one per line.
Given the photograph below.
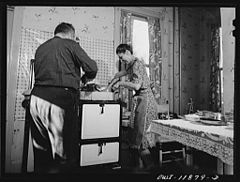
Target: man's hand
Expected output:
[84,79]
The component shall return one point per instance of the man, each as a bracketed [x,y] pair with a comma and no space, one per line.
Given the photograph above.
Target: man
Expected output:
[54,100]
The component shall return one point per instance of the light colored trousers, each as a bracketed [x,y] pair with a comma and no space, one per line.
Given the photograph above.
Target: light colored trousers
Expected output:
[49,120]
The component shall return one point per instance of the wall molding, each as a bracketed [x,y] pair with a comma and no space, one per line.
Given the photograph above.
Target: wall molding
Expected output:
[144,11]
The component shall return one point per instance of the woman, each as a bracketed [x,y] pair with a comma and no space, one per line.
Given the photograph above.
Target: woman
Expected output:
[143,108]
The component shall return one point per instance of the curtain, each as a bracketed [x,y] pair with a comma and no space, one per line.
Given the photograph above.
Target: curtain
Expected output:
[215,73]
[125,38]
[155,54]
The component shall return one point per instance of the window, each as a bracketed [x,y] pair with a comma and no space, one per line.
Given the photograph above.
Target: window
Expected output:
[140,39]
[142,31]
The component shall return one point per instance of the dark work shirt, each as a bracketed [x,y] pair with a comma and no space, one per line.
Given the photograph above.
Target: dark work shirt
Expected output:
[58,61]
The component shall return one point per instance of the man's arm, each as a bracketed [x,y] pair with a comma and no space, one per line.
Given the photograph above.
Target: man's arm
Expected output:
[89,66]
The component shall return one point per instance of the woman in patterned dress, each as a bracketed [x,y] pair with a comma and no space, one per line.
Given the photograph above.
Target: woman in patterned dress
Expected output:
[143,108]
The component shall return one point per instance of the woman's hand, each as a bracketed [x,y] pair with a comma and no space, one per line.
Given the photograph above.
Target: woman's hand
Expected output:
[115,88]
[111,84]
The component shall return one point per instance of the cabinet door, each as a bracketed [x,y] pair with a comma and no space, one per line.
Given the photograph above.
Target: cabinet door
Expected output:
[100,121]
[92,154]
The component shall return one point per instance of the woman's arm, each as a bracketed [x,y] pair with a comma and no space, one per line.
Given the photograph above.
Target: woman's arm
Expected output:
[116,79]
[130,85]
[120,74]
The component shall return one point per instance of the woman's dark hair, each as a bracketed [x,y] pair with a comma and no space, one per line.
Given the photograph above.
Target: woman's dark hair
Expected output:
[64,28]
[123,47]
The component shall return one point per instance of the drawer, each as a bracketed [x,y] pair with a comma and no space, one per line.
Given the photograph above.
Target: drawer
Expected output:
[93,154]
[100,121]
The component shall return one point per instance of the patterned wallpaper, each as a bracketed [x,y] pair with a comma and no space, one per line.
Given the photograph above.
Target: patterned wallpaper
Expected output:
[95,22]
[166,28]
[170,57]
[166,23]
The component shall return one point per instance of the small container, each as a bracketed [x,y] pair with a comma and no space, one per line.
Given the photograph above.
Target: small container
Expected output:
[229,117]
[218,116]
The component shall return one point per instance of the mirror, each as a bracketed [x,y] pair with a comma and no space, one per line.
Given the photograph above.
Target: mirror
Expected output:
[207,59]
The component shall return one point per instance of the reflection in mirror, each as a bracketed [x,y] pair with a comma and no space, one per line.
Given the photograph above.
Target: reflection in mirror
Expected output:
[207,59]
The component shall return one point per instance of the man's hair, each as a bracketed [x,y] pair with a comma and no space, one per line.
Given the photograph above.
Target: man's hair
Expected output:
[64,28]
[123,47]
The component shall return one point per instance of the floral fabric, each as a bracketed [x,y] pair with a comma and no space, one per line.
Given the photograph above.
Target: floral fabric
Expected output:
[143,108]
[215,78]
[155,54]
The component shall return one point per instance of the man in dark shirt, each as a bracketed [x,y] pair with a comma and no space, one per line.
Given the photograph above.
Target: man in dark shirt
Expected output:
[54,100]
